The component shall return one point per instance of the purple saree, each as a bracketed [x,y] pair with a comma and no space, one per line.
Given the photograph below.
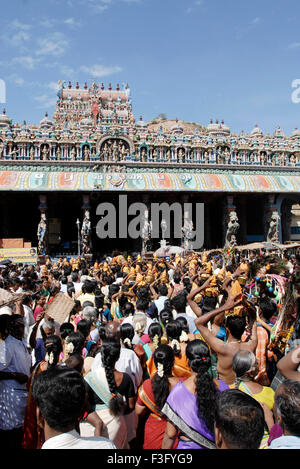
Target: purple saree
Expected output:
[182,411]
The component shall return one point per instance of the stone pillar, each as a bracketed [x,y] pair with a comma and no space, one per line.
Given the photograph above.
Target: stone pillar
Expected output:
[146,242]
[230,223]
[207,225]
[86,230]
[286,215]
[42,231]
[186,219]
[243,220]
[271,220]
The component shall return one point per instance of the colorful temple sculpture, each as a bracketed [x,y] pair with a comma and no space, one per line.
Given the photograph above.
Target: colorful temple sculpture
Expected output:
[93,149]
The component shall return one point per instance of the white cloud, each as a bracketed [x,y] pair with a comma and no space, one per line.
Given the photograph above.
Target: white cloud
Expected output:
[54,44]
[16,79]
[67,71]
[25,61]
[19,81]
[19,38]
[72,22]
[16,24]
[98,71]
[47,23]
[196,3]
[45,101]
[294,45]
[53,85]
[256,20]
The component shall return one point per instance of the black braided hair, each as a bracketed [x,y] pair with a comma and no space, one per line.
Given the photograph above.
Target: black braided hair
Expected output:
[53,345]
[155,329]
[174,330]
[110,352]
[163,355]
[197,353]
[127,332]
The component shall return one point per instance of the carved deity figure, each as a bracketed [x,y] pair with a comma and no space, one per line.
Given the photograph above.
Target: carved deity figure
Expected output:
[42,235]
[1,149]
[232,229]
[143,154]
[168,154]
[272,235]
[45,153]
[115,151]
[263,158]
[206,157]
[86,153]
[180,155]
[31,153]
[292,160]
[86,233]
[109,149]
[164,227]
[155,154]
[227,156]
[58,153]
[73,153]
[146,235]
[187,234]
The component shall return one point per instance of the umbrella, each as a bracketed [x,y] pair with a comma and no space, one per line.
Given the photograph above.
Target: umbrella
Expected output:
[169,250]
[5,262]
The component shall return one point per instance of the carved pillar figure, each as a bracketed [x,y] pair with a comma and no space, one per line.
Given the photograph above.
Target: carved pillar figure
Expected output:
[272,219]
[42,231]
[231,223]
[86,230]
[146,228]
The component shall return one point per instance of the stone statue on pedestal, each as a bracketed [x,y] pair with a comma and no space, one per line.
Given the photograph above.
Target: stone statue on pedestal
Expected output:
[164,227]
[86,233]
[42,235]
[146,235]
[232,229]
[273,231]
[188,235]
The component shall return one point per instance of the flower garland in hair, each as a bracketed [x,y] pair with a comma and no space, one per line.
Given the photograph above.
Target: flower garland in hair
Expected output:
[138,327]
[127,341]
[175,344]
[49,358]
[156,341]
[69,348]
[160,370]
[184,337]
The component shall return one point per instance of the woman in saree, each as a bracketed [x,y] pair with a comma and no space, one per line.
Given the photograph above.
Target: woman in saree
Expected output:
[190,406]
[155,333]
[245,367]
[111,394]
[175,337]
[153,394]
[33,435]
[127,335]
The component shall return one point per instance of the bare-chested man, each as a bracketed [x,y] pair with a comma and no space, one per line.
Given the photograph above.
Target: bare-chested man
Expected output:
[235,327]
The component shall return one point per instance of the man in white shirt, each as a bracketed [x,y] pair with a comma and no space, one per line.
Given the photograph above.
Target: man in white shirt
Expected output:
[77,283]
[162,297]
[60,397]
[28,316]
[15,363]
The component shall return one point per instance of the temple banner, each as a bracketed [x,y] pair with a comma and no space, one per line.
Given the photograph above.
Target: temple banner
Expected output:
[19,255]
[199,182]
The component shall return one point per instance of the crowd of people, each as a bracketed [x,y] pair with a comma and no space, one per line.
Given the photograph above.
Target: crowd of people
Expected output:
[200,352]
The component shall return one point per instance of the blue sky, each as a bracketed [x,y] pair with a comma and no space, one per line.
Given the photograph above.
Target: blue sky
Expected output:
[192,59]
